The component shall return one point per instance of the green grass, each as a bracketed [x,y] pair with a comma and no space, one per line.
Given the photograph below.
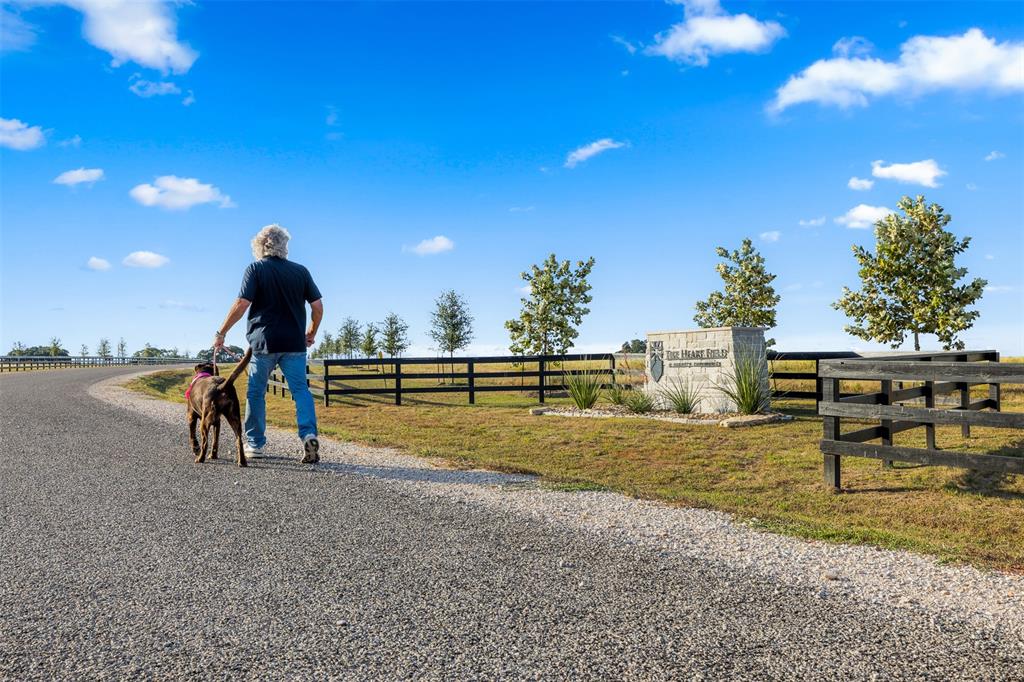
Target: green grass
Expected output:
[771,473]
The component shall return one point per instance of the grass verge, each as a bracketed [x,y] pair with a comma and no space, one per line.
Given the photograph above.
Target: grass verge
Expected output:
[770,475]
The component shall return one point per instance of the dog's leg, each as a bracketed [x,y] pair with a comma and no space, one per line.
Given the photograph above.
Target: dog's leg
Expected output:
[216,437]
[235,421]
[193,419]
[204,428]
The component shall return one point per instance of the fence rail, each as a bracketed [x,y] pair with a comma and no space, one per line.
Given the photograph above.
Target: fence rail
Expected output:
[938,374]
[23,363]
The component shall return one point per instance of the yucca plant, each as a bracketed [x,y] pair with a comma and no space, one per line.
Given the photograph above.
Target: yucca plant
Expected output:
[682,397]
[584,388]
[639,402]
[617,393]
[745,385]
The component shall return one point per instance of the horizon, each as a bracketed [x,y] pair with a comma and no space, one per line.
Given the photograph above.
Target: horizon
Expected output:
[411,148]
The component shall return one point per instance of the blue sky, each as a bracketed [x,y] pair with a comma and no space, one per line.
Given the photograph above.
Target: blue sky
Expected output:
[643,134]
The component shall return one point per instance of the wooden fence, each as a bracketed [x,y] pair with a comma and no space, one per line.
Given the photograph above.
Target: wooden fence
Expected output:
[23,363]
[934,375]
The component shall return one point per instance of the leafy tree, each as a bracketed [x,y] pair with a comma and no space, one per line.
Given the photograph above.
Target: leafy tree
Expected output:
[634,346]
[226,354]
[55,348]
[911,283]
[348,337]
[84,350]
[748,299]
[554,308]
[368,345]
[36,351]
[451,325]
[394,335]
[326,347]
[103,349]
[18,349]
[122,348]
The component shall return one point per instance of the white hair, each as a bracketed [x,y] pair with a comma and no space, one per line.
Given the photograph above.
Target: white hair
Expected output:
[272,240]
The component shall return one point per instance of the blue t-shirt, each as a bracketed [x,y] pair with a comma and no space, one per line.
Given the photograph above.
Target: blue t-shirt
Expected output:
[278,291]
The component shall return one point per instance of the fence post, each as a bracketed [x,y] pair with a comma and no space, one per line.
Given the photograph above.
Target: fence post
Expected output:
[327,384]
[613,368]
[965,402]
[831,431]
[470,367]
[887,423]
[929,402]
[398,382]
[540,379]
[817,388]
[993,389]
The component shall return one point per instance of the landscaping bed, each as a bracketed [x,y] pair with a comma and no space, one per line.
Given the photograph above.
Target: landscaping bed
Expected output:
[723,419]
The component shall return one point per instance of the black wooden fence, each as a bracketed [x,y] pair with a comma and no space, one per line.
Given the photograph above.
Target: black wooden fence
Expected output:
[24,363]
[936,374]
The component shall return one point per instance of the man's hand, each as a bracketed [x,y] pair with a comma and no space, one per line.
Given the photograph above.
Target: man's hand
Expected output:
[310,338]
[218,341]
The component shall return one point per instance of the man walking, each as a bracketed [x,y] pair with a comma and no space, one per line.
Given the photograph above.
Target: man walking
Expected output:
[275,291]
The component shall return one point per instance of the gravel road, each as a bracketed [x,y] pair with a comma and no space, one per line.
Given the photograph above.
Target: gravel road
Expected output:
[119,558]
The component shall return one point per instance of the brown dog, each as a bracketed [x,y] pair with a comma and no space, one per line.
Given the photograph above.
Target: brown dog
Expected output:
[210,397]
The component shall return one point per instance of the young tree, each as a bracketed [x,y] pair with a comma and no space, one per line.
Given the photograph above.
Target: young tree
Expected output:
[368,345]
[748,299]
[326,347]
[555,307]
[122,348]
[394,335]
[103,349]
[84,350]
[18,349]
[911,283]
[55,348]
[348,337]
[451,325]
[634,346]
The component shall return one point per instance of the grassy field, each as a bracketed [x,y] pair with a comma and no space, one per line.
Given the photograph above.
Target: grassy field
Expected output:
[769,475]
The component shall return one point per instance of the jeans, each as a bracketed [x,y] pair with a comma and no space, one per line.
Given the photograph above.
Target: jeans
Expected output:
[293,366]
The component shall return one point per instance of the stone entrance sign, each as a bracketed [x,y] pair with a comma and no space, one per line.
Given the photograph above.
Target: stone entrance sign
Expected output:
[704,359]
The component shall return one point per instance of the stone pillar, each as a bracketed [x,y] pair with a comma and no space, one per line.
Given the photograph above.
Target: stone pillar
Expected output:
[703,359]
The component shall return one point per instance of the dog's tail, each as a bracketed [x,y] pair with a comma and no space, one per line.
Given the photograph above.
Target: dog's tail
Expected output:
[240,368]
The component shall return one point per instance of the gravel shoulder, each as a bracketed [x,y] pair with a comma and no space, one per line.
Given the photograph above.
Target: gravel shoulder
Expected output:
[123,559]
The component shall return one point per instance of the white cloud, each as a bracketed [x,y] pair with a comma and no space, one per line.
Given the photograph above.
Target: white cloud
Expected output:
[916,173]
[332,115]
[709,30]
[860,184]
[175,194]
[144,88]
[770,236]
[813,222]
[16,34]
[99,264]
[140,31]
[971,186]
[189,99]
[855,46]
[863,216]
[585,152]
[79,176]
[998,288]
[520,209]
[75,142]
[21,136]
[171,304]
[630,47]
[989,256]
[432,246]
[971,61]
[993,155]
[145,259]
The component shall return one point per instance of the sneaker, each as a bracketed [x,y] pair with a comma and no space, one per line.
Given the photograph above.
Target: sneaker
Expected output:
[312,447]
[253,451]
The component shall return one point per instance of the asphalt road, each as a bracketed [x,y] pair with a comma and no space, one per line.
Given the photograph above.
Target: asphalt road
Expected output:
[121,559]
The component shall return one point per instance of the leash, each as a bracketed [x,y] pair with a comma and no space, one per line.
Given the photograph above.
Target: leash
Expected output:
[213,356]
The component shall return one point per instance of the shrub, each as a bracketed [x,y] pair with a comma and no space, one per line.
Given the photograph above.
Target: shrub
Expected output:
[617,393]
[584,388]
[639,402]
[682,398]
[745,385]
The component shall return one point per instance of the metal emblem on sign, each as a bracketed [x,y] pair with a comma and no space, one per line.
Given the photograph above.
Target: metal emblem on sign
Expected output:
[657,365]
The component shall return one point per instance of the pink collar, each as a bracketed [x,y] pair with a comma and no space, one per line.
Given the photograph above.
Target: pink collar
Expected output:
[188,391]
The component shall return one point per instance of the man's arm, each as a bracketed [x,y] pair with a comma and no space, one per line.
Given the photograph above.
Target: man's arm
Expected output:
[234,315]
[317,309]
